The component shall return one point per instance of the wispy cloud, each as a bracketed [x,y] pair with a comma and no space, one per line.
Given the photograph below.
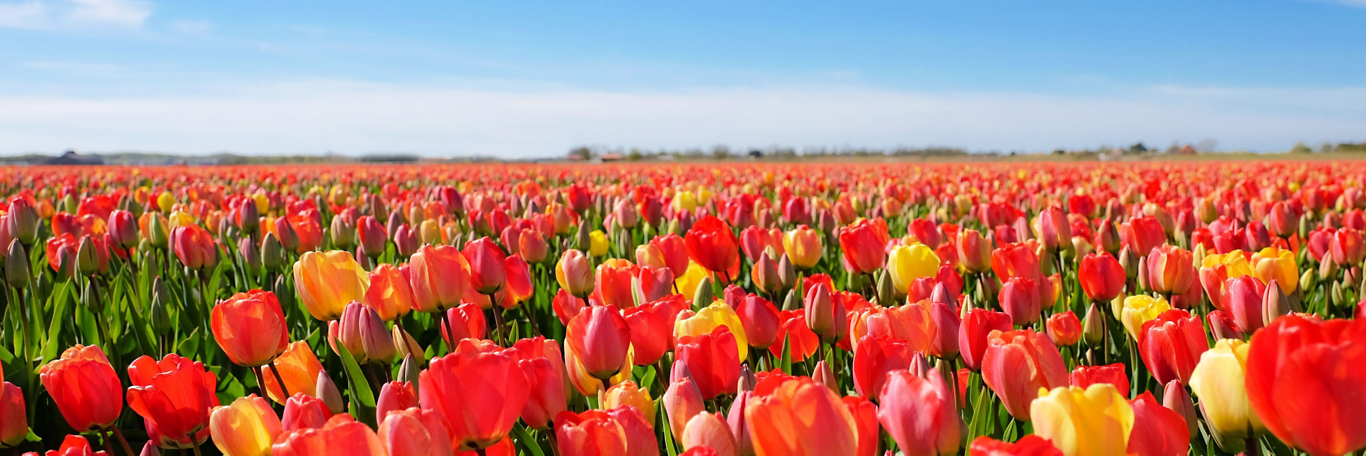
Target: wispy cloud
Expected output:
[74,14]
[190,27]
[350,117]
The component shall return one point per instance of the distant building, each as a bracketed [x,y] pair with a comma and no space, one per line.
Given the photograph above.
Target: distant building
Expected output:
[612,157]
[73,158]
[1186,150]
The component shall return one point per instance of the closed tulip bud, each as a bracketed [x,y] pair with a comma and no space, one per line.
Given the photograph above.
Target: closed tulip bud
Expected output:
[747,380]
[372,236]
[574,273]
[793,301]
[787,273]
[24,219]
[682,400]
[1219,380]
[289,238]
[1093,329]
[123,229]
[87,261]
[886,290]
[825,316]
[824,375]
[157,231]
[1276,304]
[1177,399]
[582,237]
[250,255]
[160,316]
[408,370]
[765,275]
[1131,262]
[92,297]
[328,392]
[704,293]
[405,241]
[16,265]
[272,252]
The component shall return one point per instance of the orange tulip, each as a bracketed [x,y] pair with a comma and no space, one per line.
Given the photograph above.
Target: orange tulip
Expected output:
[793,330]
[921,414]
[393,397]
[973,337]
[517,287]
[73,445]
[439,275]
[486,260]
[415,432]
[1304,380]
[613,284]
[1064,328]
[328,281]
[639,431]
[175,394]
[342,435]
[299,368]
[250,328]
[800,417]
[246,427]
[478,394]
[591,433]
[865,420]
[1171,345]
[390,294]
[1084,376]
[85,388]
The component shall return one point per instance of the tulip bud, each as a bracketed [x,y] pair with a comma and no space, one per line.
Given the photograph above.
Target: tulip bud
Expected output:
[787,273]
[272,252]
[289,238]
[920,365]
[87,261]
[575,274]
[1222,325]
[150,449]
[408,371]
[583,239]
[1144,281]
[1338,296]
[886,289]
[747,379]
[1093,329]
[123,229]
[826,376]
[285,293]
[1130,262]
[405,241]
[328,392]
[372,236]
[1274,305]
[765,275]
[248,216]
[92,297]
[250,255]
[704,294]
[1177,399]
[16,265]
[158,233]
[161,317]
[24,221]
[793,301]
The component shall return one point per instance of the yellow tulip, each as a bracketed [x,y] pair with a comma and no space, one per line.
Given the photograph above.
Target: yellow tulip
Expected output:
[707,319]
[627,393]
[328,281]
[907,263]
[1218,380]
[247,427]
[1235,264]
[597,245]
[262,202]
[803,247]
[165,201]
[1278,265]
[691,279]
[1138,309]
[179,219]
[684,201]
[1092,421]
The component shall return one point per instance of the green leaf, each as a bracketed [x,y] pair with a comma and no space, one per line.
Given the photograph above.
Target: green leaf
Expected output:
[357,379]
[519,434]
[54,331]
[664,426]
[786,362]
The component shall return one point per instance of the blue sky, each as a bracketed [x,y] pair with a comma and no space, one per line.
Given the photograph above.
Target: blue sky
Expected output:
[525,79]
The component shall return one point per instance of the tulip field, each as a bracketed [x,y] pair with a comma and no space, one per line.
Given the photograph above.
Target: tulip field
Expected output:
[822,309]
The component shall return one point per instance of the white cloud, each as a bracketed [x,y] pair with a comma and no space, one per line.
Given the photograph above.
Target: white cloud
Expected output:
[346,117]
[74,14]
[191,27]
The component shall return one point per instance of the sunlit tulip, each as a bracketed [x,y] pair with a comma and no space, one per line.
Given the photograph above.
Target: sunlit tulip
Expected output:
[1171,345]
[1138,309]
[1302,376]
[613,284]
[1017,364]
[1142,234]
[72,445]
[709,430]
[341,435]
[416,432]
[875,359]
[801,417]
[973,336]
[394,396]
[194,246]
[759,319]
[1020,299]
[1157,430]
[921,414]
[707,319]
[755,241]
[1348,248]
[803,246]
[1171,270]
[711,360]
[1096,420]
[304,412]
[1219,382]
[1085,376]
[13,416]
[597,348]
[539,359]
[328,281]
[862,244]
[1064,328]
[575,273]
[1101,276]
[907,263]
[794,336]
[487,270]
[465,321]
[246,427]
[299,368]
[652,329]
[974,251]
[85,388]
[250,327]
[627,393]
[825,316]
[478,394]
[389,294]
[591,433]
[682,400]
[711,244]
[1029,445]
[362,333]
[439,276]
[1274,264]
[1052,228]
[175,393]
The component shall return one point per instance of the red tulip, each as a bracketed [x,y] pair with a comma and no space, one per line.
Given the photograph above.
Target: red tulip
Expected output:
[712,245]
[711,359]
[639,432]
[926,232]
[682,400]
[85,388]
[793,330]
[1052,228]
[545,380]
[1242,299]
[486,260]
[673,253]
[1171,270]
[439,276]
[73,445]
[175,394]
[921,414]
[1157,431]
[653,283]
[597,340]
[1020,299]
[194,246]
[755,241]
[1084,376]
[863,244]
[342,435]
[972,338]
[304,412]
[1171,345]
[1029,445]
[760,320]
[974,252]
[875,359]
[416,432]
[1348,248]
[1101,276]
[466,321]
[865,421]
[591,433]
[395,396]
[250,328]
[1222,326]
[1304,379]
[1017,364]
[825,316]
[613,284]
[1142,234]
[478,394]
[1064,328]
